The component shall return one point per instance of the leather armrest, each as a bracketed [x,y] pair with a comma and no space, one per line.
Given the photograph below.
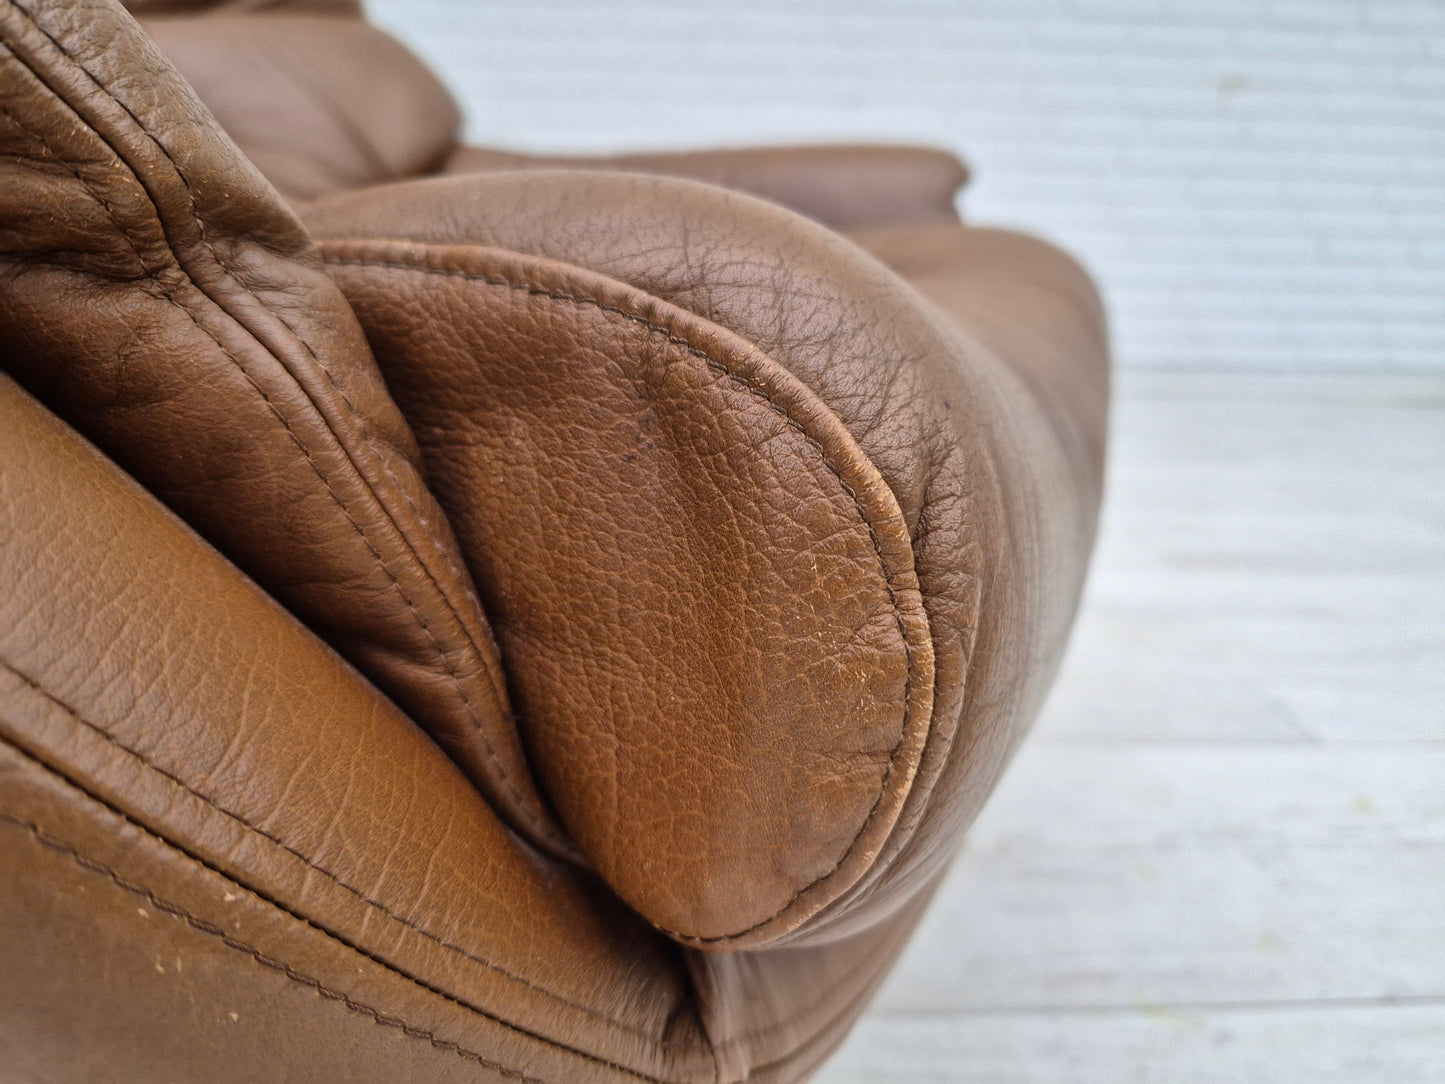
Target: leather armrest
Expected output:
[778,558]
[842,186]
[157,294]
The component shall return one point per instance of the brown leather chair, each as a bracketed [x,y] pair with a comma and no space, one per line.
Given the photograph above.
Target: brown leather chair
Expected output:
[550,620]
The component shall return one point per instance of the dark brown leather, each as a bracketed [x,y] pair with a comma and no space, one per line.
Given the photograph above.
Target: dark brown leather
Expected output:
[780,534]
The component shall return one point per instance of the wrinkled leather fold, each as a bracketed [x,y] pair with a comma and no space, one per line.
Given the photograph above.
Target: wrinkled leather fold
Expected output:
[256,783]
[981,475]
[700,568]
[703,590]
[160,296]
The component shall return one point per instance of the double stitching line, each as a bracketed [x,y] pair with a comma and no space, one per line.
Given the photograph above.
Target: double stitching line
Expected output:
[210,929]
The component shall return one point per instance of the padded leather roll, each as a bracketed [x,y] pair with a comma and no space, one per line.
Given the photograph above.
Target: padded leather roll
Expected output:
[995,517]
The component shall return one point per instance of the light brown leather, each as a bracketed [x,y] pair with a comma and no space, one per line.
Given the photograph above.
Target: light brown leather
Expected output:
[845,187]
[780,534]
[918,399]
[150,687]
[214,359]
[318,103]
[704,590]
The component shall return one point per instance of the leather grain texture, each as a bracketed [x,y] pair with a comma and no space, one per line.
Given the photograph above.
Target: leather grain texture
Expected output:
[983,477]
[780,532]
[146,671]
[317,103]
[703,590]
[160,297]
[842,186]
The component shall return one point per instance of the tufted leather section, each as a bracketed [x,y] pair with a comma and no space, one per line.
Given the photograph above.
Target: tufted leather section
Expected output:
[703,590]
[160,297]
[980,472]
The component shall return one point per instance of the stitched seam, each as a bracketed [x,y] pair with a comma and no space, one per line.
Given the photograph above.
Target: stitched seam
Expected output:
[450,665]
[761,394]
[310,864]
[210,929]
[379,961]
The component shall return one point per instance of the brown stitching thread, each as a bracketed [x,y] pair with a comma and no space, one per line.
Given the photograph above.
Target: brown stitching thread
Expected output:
[210,929]
[310,864]
[379,961]
[450,665]
[537,290]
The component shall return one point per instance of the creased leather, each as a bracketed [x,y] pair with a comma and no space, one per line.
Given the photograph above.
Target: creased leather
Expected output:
[148,672]
[160,297]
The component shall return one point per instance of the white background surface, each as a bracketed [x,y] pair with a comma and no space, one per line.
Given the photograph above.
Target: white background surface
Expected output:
[1257,184]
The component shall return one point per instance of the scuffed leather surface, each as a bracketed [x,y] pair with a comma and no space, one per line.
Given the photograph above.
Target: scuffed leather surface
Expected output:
[317,103]
[703,591]
[159,296]
[842,186]
[980,472]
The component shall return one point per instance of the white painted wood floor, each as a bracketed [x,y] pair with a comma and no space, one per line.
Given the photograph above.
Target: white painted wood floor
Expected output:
[1221,854]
